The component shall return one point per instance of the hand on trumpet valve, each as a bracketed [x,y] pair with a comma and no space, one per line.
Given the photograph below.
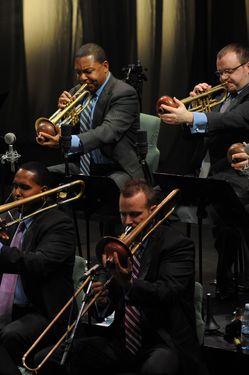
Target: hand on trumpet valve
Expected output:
[65,99]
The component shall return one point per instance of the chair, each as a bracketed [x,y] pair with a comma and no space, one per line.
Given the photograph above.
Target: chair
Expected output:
[80,267]
[152,125]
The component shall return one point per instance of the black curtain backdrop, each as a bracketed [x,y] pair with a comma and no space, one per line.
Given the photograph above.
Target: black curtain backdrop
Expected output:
[39,40]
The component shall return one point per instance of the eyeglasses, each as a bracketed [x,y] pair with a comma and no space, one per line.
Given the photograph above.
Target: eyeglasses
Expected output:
[227,71]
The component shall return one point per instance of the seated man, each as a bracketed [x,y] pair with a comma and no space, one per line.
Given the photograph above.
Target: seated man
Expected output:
[36,263]
[107,130]
[154,328]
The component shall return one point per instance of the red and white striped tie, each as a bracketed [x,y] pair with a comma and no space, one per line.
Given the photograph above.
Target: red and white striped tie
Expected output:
[133,338]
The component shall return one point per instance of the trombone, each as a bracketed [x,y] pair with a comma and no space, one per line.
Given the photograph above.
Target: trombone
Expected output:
[61,195]
[203,102]
[125,246]
[69,115]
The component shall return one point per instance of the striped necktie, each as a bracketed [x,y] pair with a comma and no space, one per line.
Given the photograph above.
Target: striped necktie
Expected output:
[8,282]
[85,125]
[133,338]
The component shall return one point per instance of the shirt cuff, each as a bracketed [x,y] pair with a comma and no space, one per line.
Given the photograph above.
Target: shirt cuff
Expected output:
[199,123]
[76,145]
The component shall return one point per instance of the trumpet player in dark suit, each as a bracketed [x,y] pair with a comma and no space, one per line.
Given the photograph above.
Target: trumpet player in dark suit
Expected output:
[227,123]
[108,136]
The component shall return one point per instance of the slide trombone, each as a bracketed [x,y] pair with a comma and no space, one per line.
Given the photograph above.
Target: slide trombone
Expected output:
[69,115]
[203,102]
[126,245]
[62,198]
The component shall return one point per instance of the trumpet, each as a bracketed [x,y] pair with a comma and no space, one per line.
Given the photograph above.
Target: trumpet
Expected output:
[203,102]
[234,149]
[126,245]
[69,115]
[62,198]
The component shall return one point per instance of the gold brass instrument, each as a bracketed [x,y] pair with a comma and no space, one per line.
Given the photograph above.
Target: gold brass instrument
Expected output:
[62,199]
[68,115]
[203,102]
[234,149]
[125,246]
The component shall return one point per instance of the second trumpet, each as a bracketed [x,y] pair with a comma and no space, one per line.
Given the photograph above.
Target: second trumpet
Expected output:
[200,103]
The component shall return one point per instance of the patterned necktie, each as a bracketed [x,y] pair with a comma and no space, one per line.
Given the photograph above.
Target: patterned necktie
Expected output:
[8,282]
[133,338]
[85,125]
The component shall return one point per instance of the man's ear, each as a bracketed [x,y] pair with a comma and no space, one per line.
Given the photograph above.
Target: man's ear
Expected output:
[44,188]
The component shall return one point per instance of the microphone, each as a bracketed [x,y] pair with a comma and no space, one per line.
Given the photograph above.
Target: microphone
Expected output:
[65,138]
[142,144]
[12,155]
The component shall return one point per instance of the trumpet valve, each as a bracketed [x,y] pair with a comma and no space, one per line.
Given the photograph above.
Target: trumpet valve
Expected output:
[167,100]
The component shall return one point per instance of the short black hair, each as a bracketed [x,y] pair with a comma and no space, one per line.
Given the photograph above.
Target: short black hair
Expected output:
[42,175]
[94,50]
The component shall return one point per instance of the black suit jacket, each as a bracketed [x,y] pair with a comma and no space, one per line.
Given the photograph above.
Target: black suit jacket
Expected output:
[114,128]
[164,293]
[45,262]
[227,128]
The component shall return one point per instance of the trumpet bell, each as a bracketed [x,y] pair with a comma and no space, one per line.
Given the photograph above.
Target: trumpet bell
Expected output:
[234,149]
[167,100]
[44,125]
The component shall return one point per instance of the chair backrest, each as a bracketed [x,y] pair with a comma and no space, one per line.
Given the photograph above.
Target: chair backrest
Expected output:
[80,267]
[151,124]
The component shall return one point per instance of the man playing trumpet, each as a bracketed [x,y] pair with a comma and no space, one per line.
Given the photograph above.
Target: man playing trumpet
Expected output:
[226,124]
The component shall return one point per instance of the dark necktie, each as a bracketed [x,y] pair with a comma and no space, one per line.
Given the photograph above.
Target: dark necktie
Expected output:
[133,338]
[85,125]
[229,100]
[8,282]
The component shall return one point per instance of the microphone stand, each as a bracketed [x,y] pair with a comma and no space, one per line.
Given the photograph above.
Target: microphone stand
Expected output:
[91,274]
[65,143]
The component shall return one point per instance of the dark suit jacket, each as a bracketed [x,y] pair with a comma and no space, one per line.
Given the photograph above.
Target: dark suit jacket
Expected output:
[164,292]
[227,128]
[45,262]
[114,128]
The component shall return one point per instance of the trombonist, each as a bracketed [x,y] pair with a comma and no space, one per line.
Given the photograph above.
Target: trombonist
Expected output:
[107,129]
[153,292]
[36,265]
[227,123]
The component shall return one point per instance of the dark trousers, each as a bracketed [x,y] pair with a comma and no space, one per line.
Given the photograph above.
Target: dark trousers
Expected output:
[17,337]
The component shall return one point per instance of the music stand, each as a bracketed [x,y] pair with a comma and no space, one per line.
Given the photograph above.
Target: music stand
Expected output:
[101,200]
[200,192]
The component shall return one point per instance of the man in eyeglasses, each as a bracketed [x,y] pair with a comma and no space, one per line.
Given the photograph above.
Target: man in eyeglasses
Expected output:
[227,123]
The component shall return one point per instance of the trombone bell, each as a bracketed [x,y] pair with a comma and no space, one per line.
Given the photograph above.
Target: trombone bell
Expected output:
[128,243]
